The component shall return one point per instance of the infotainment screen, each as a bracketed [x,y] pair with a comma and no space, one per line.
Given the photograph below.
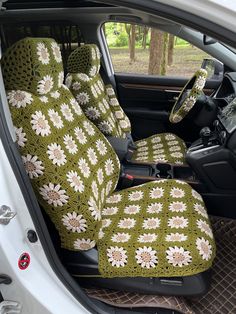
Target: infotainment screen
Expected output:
[228,116]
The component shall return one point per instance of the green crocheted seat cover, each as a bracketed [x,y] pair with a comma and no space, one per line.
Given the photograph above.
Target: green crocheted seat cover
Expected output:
[157,229]
[70,163]
[101,106]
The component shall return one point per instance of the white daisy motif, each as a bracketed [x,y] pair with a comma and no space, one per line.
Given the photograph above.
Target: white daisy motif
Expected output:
[204,248]
[95,189]
[200,209]
[101,147]
[42,52]
[120,237]
[76,86]
[82,98]
[146,257]
[68,81]
[55,94]
[92,113]
[196,195]
[70,144]
[53,194]
[55,118]
[154,208]
[177,118]
[176,237]
[141,143]
[156,139]
[119,114]
[174,148]
[109,187]
[33,166]
[67,113]
[177,193]
[113,199]
[94,209]
[56,52]
[92,156]
[117,256]
[84,167]
[93,53]
[109,167]
[19,99]
[80,135]
[106,223]
[156,192]
[110,91]
[74,222]
[110,211]
[44,99]
[127,223]
[141,154]
[83,77]
[132,209]
[177,154]
[170,137]
[61,79]
[204,227]
[151,223]
[93,71]
[189,103]
[105,127]
[135,196]
[45,85]
[200,82]
[114,102]
[56,154]
[40,124]
[157,146]
[172,143]
[100,234]
[84,244]
[178,222]
[100,176]
[88,128]
[124,124]
[147,238]
[75,181]
[20,136]
[177,256]
[76,107]
[177,207]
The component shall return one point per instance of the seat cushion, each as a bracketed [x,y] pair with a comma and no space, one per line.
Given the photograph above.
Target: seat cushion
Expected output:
[157,229]
[164,147]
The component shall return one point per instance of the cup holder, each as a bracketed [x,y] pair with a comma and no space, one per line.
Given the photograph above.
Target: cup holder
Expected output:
[164,171]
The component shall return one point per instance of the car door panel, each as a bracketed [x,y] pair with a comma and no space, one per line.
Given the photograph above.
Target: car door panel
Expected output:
[148,100]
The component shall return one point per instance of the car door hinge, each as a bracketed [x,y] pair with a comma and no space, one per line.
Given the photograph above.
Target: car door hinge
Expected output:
[10,307]
[6,214]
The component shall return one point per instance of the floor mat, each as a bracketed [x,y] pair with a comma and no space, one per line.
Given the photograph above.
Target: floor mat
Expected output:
[221,299]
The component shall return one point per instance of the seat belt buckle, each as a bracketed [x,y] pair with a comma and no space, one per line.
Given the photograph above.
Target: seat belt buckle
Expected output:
[126,180]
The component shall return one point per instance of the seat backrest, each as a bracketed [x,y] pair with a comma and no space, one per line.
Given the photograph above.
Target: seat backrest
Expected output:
[98,101]
[71,165]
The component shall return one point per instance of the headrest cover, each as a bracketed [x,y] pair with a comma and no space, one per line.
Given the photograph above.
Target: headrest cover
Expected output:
[34,65]
[84,59]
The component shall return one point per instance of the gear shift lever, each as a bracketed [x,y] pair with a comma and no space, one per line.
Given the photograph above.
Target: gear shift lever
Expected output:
[205,135]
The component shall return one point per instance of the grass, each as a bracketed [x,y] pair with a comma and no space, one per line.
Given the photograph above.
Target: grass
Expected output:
[187,60]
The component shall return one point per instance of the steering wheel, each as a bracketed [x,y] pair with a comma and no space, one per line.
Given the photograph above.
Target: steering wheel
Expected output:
[188,97]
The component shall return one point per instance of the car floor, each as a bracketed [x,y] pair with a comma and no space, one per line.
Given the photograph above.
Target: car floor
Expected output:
[220,299]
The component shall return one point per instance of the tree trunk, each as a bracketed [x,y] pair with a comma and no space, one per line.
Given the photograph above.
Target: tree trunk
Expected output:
[156,52]
[171,49]
[130,30]
[164,54]
[144,41]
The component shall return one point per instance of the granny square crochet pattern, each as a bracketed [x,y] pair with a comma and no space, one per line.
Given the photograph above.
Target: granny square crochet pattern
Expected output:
[156,229]
[101,106]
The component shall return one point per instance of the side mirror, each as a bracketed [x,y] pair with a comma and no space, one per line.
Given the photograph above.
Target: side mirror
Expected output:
[214,68]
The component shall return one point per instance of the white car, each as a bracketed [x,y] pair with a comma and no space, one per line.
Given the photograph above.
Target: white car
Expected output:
[94,217]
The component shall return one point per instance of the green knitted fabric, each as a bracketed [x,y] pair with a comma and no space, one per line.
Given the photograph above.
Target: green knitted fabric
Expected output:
[160,148]
[101,106]
[157,229]
[95,99]
[71,165]
[198,82]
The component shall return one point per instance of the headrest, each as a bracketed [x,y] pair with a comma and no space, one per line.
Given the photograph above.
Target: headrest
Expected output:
[84,59]
[34,65]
